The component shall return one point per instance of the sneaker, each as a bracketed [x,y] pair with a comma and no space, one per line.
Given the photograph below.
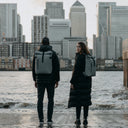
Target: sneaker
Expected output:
[49,123]
[41,124]
[77,122]
[85,122]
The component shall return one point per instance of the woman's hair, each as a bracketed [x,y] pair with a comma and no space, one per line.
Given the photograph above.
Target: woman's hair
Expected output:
[84,48]
[45,41]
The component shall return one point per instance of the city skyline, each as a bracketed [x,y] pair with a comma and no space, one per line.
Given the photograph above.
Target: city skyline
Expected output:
[90,7]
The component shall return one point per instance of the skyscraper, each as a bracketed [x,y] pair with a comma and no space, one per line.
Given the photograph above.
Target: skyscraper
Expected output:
[55,10]
[112,30]
[112,19]
[103,19]
[8,22]
[20,36]
[78,20]
[118,21]
[40,26]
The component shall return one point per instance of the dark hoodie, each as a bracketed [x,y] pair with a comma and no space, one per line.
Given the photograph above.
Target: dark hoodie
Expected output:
[54,76]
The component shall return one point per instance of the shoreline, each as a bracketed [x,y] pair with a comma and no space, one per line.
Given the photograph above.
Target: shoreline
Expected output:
[95,119]
[60,70]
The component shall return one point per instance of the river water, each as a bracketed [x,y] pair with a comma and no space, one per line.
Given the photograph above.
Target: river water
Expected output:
[17,91]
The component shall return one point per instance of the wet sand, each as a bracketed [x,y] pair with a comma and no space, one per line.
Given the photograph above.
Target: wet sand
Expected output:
[64,120]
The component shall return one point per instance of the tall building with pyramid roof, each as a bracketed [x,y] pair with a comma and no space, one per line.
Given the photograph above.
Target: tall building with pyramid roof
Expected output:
[78,20]
[77,3]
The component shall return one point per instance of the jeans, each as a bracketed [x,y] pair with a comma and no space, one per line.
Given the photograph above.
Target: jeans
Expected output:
[50,94]
[78,112]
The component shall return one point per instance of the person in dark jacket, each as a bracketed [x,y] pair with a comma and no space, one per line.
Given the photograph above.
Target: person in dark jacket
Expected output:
[80,90]
[46,81]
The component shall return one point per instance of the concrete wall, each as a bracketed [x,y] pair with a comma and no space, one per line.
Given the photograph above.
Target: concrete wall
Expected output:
[125,62]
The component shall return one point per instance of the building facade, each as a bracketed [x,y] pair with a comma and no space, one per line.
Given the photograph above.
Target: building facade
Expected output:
[78,20]
[6,63]
[103,19]
[118,21]
[112,20]
[58,29]
[39,27]
[69,46]
[55,10]
[8,22]
[107,47]
[20,36]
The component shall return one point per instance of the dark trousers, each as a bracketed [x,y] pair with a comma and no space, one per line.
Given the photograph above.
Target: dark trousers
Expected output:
[78,112]
[50,87]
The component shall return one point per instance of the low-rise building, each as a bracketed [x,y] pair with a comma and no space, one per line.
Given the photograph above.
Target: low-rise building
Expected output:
[6,63]
[22,64]
[65,64]
[109,63]
[118,64]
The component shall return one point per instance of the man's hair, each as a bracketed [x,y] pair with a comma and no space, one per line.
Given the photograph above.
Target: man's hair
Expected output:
[45,41]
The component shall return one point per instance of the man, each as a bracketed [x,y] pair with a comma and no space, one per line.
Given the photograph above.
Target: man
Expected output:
[45,80]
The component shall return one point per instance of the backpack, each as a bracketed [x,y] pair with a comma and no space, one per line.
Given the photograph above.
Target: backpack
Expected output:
[90,66]
[43,62]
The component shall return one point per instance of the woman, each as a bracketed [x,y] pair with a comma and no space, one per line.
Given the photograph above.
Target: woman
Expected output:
[80,92]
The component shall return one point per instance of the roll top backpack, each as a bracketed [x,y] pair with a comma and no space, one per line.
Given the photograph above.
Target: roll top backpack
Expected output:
[90,66]
[43,62]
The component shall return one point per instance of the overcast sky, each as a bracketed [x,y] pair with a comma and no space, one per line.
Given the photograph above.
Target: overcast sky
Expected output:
[28,8]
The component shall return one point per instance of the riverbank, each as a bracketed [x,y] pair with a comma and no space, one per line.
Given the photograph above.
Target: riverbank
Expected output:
[105,69]
[96,119]
[18,98]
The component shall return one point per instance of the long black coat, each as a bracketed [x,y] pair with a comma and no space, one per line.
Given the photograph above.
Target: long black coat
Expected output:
[81,94]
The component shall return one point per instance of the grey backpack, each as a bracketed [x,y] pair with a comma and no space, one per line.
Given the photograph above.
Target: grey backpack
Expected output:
[43,62]
[90,66]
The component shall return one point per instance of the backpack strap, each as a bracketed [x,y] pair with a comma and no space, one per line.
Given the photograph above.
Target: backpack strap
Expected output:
[43,57]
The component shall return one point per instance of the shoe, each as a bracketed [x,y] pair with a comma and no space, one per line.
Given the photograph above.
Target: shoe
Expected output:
[77,122]
[50,123]
[85,122]
[41,124]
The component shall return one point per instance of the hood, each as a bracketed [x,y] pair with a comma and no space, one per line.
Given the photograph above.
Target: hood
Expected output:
[45,48]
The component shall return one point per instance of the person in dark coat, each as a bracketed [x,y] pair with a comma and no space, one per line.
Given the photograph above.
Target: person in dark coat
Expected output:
[80,90]
[46,81]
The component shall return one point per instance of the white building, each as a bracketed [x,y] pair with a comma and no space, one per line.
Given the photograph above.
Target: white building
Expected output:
[40,26]
[78,20]
[8,22]
[55,10]
[58,29]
